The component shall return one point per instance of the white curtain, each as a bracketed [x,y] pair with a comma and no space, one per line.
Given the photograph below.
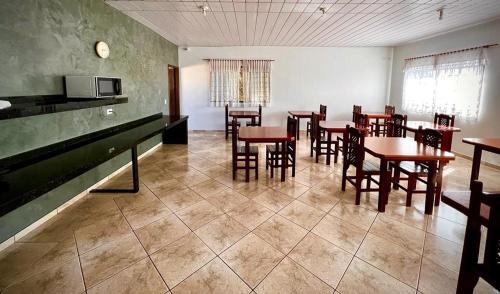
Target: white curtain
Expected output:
[448,83]
[256,79]
[224,81]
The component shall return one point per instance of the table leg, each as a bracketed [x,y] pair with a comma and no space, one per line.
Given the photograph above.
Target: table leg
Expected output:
[298,127]
[383,194]
[439,183]
[328,147]
[247,161]
[284,160]
[431,187]
[476,164]
[377,128]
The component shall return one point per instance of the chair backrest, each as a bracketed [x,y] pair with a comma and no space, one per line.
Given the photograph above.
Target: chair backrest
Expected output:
[429,137]
[315,131]
[322,111]
[226,109]
[355,109]
[389,109]
[234,136]
[355,147]
[291,126]
[361,121]
[259,123]
[396,126]
[442,119]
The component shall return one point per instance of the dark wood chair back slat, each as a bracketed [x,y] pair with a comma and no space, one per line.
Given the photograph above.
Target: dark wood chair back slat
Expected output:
[315,131]
[259,123]
[226,116]
[442,119]
[355,109]
[355,147]
[397,125]
[322,111]
[361,121]
[429,137]
[389,109]
[291,126]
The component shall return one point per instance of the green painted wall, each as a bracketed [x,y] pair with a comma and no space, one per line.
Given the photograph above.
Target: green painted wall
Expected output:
[43,40]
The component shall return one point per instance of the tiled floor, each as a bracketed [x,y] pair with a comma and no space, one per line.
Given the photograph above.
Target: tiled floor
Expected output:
[192,229]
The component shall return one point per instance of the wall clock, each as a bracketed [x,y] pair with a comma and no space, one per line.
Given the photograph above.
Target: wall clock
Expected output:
[102,49]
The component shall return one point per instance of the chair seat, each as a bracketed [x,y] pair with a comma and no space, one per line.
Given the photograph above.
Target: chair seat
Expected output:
[250,124]
[411,167]
[237,123]
[272,148]
[253,149]
[370,166]
[382,124]
[460,201]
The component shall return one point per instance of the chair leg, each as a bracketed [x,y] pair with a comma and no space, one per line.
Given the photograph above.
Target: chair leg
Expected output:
[257,166]
[267,159]
[359,180]
[336,152]
[234,168]
[397,174]
[467,277]
[272,165]
[412,185]
[318,151]
[344,177]
[312,146]
[293,163]
[439,184]
[369,182]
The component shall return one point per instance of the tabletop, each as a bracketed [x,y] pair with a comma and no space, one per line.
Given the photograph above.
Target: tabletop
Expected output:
[301,113]
[241,113]
[413,125]
[377,115]
[334,125]
[400,149]
[490,144]
[264,134]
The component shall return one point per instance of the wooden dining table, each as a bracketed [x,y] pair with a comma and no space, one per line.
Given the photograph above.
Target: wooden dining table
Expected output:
[251,114]
[276,135]
[298,115]
[447,132]
[331,127]
[377,116]
[405,149]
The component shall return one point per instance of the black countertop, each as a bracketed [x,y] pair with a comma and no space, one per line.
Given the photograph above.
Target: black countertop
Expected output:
[23,106]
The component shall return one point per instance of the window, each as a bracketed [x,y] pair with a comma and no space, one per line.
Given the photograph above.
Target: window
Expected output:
[447,83]
[240,82]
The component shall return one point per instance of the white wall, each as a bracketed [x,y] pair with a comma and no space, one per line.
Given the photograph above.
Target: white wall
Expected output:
[301,79]
[488,124]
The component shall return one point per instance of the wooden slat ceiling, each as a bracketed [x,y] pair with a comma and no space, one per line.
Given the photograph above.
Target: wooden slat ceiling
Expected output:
[300,23]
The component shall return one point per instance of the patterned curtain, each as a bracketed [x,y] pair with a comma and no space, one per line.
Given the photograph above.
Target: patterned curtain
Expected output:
[224,81]
[448,83]
[256,85]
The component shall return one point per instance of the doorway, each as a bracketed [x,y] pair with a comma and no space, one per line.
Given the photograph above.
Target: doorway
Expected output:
[173,90]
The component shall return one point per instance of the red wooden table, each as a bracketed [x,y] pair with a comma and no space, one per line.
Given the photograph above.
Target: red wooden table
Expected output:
[244,114]
[405,149]
[334,126]
[377,116]
[298,115]
[447,132]
[275,135]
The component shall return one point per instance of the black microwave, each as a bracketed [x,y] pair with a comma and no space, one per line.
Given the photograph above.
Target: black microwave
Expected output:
[92,86]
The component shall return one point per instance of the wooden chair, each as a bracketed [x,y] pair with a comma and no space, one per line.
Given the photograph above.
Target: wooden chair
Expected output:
[322,112]
[361,122]
[396,126]
[482,209]
[416,171]
[273,152]
[238,152]
[355,109]
[228,124]
[444,119]
[390,110]
[355,156]
[258,121]
[319,142]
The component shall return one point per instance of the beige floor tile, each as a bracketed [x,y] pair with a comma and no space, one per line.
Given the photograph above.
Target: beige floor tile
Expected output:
[436,279]
[129,201]
[21,260]
[252,259]
[108,259]
[221,233]
[192,178]
[446,229]
[160,233]
[251,189]
[159,180]
[101,232]
[140,216]
[322,201]
[281,233]
[250,214]
[273,200]
[181,258]
[215,277]
[361,278]
[208,188]
[340,233]
[325,260]
[291,188]
[399,233]
[140,277]
[227,199]
[354,214]
[176,200]
[302,214]
[391,258]
[198,214]
[289,277]
[407,215]
[443,252]
[63,278]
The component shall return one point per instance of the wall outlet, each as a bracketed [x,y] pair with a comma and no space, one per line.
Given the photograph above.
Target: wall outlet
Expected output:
[165,101]
[109,111]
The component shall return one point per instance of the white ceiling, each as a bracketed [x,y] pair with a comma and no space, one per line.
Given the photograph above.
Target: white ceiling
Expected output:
[300,23]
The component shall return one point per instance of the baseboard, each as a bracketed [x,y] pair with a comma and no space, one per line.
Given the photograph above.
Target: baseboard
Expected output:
[488,164]
[5,244]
